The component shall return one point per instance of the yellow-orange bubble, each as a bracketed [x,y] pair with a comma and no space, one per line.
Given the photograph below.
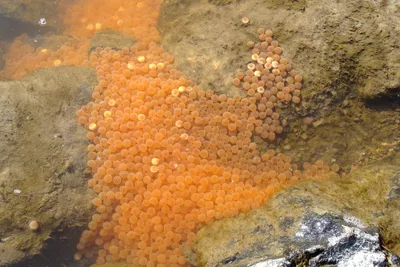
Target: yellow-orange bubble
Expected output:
[131,65]
[160,66]
[154,169]
[92,126]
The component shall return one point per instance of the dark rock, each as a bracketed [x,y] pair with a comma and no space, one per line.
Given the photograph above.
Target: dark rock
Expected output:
[11,28]
[394,260]
[339,242]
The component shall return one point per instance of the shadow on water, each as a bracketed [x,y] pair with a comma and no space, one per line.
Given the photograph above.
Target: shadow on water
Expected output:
[390,101]
[11,28]
[58,252]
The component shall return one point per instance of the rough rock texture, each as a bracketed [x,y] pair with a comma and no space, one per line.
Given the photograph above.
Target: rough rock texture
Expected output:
[347,51]
[42,158]
[110,38]
[329,41]
[333,222]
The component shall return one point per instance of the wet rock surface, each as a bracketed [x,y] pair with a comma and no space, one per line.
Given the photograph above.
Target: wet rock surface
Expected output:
[42,163]
[324,239]
[345,54]
[344,221]
[31,11]
[112,39]
[331,43]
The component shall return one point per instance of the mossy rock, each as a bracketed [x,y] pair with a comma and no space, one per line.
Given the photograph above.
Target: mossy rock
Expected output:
[42,162]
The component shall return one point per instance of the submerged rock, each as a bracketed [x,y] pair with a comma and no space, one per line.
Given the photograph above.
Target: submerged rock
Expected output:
[346,51]
[337,46]
[32,11]
[336,222]
[112,39]
[42,158]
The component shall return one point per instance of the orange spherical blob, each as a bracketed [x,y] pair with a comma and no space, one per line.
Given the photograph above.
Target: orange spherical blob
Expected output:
[236,82]
[296,99]
[33,225]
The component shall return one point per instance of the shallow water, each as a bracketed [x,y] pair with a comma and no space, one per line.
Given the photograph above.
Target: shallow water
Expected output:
[165,156]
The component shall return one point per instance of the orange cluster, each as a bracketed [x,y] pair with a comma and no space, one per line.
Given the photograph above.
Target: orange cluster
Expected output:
[269,73]
[136,18]
[168,157]
[269,78]
[22,58]
[82,21]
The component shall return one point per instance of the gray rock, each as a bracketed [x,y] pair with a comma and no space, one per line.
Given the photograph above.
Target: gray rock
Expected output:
[342,242]
[342,222]
[334,241]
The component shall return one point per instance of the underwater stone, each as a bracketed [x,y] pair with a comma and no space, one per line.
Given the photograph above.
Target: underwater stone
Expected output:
[323,40]
[315,223]
[39,134]
[341,243]
[112,39]
[31,11]
[329,240]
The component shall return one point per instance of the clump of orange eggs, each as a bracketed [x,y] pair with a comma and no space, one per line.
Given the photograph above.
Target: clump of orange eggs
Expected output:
[83,20]
[136,18]
[168,157]
[22,58]
[269,78]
